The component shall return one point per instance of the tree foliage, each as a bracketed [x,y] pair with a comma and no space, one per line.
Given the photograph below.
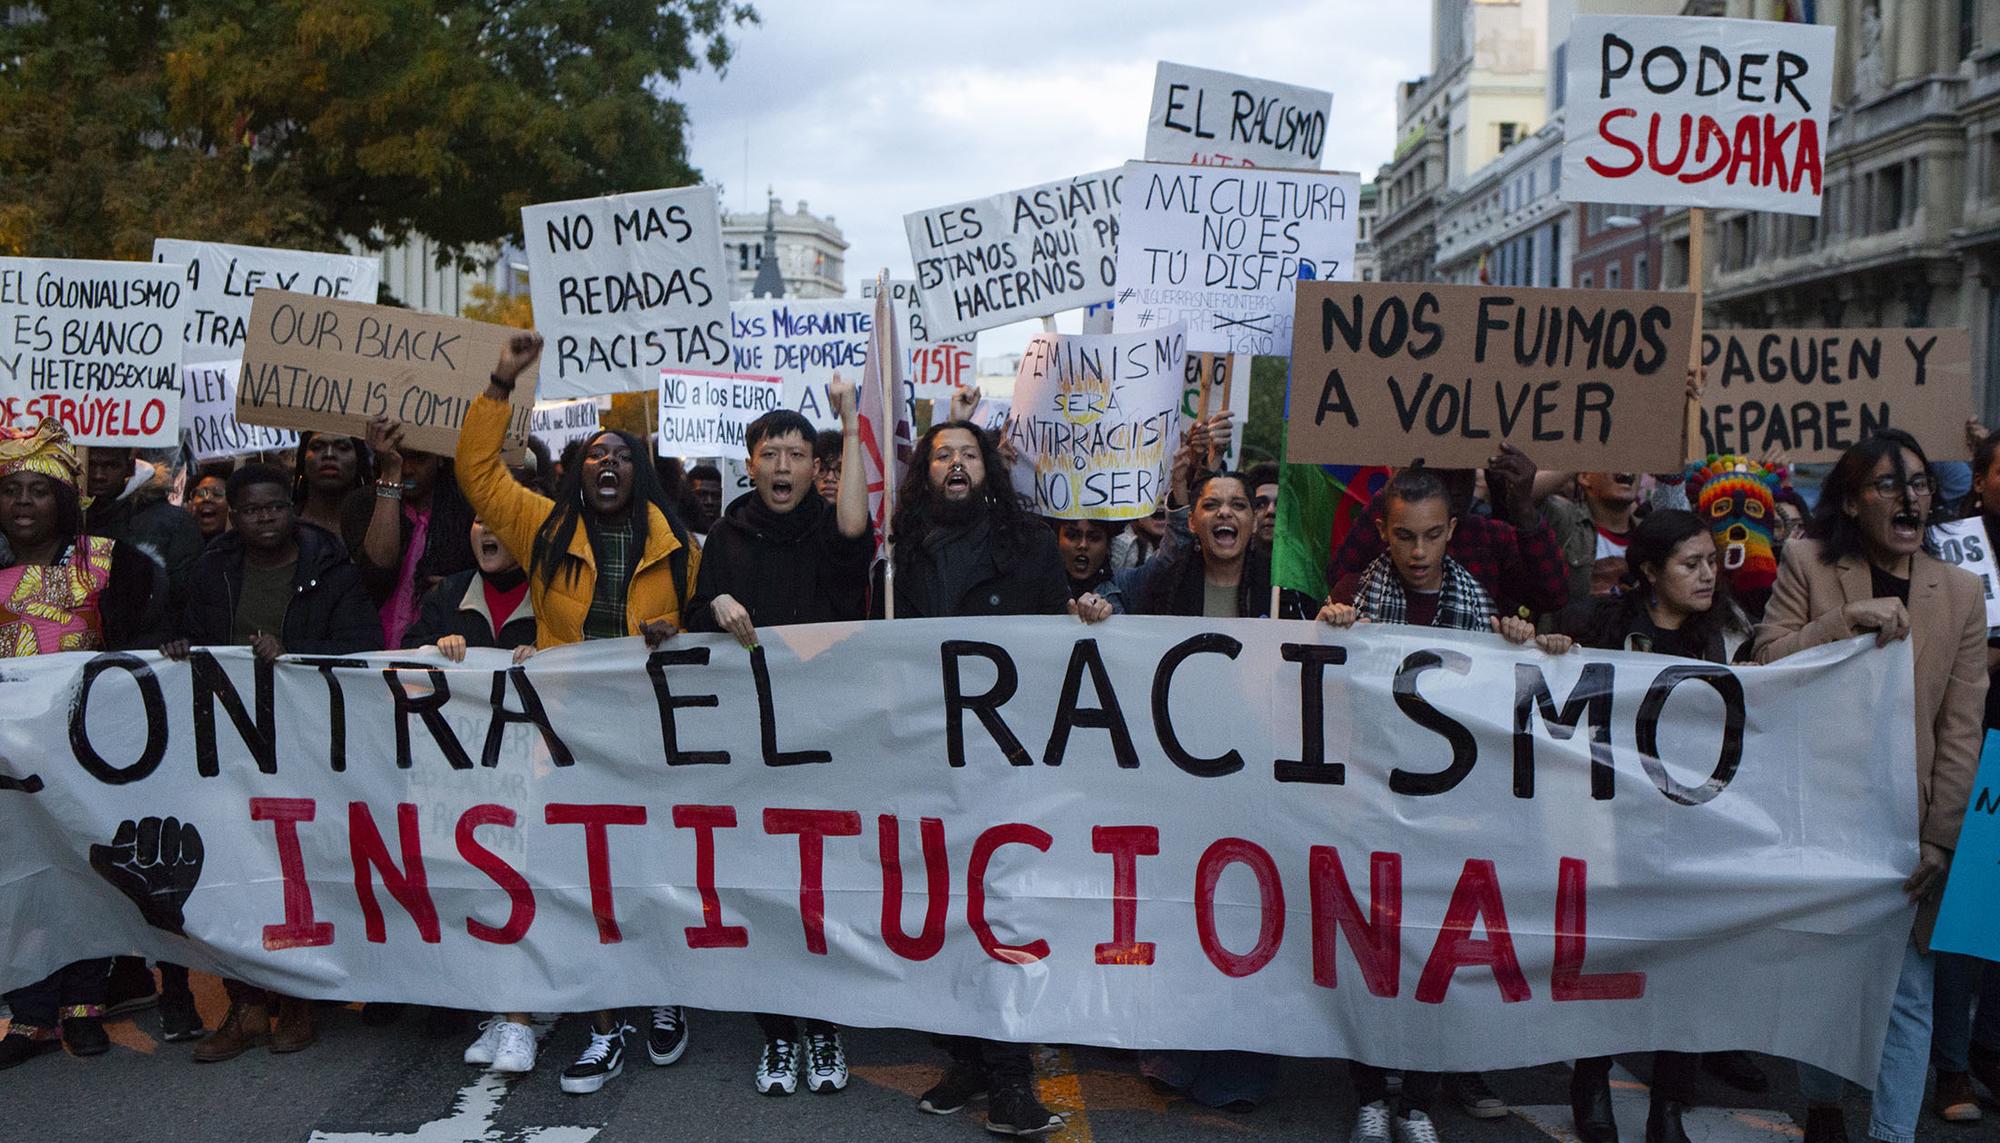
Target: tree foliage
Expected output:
[298,122]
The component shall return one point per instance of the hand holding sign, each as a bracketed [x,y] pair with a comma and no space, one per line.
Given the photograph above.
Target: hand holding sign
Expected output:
[156,864]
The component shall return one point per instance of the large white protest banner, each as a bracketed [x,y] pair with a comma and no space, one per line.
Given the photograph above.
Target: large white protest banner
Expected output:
[805,342]
[96,345]
[625,286]
[1095,421]
[1412,847]
[221,278]
[1697,111]
[937,366]
[705,414]
[1025,253]
[562,423]
[209,414]
[1220,251]
[1224,120]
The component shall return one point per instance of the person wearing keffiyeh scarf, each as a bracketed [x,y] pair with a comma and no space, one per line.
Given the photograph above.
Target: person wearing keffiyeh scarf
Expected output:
[1461,603]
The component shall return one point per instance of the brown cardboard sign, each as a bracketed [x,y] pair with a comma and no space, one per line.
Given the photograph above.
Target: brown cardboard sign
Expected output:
[322,363]
[1393,373]
[1815,392]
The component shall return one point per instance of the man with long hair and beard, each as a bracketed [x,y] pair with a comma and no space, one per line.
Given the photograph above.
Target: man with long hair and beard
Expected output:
[965,546]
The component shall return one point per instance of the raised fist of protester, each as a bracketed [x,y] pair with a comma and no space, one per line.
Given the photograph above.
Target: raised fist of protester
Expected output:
[452,647]
[733,618]
[519,353]
[1885,617]
[840,397]
[657,631]
[385,440]
[1933,864]
[1340,615]
[1090,607]
[963,402]
[266,647]
[156,864]
[1697,380]
[1510,482]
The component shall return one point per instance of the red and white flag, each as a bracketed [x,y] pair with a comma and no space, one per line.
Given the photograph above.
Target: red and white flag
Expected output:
[882,381]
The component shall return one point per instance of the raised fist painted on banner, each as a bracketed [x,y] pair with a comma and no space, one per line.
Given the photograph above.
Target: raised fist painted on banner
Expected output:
[155,862]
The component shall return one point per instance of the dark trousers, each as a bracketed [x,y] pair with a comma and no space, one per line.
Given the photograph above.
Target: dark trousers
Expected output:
[786,1028]
[38,1007]
[1674,1074]
[241,993]
[1371,1085]
[1005,1063]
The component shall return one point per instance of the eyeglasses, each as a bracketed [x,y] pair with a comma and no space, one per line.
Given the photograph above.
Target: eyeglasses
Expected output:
[210,493]
[1887,487]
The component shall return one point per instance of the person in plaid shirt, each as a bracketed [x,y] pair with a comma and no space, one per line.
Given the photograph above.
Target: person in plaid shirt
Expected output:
[1513,554]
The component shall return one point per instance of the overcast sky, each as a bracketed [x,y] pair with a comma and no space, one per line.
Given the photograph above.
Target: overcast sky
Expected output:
[871,109]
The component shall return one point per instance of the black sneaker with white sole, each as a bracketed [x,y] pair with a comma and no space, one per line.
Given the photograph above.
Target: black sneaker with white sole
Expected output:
[603,1059]
[1014,1110]
[667,1039]
[962,1082]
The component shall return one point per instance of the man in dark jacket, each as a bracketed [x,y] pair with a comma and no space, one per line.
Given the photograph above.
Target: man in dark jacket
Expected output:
[778,555]
[128,502]
[277,587]
[965,546]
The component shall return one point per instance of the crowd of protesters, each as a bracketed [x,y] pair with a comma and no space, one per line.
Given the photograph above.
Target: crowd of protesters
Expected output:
[365,544]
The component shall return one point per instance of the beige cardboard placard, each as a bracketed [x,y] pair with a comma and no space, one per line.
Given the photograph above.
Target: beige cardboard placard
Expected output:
[1392,373]
[321,363]
[1815,392]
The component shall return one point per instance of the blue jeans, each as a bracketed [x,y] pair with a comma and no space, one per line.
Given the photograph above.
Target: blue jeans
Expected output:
[1958,1030]
[1906,1057]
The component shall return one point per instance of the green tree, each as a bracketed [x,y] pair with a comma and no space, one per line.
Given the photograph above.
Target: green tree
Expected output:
[297,122]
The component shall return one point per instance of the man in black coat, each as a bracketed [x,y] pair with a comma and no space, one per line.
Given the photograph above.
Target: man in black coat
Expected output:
[278,588]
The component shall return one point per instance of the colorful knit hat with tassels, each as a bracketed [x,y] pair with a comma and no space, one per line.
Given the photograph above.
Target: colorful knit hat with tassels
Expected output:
[1738,497]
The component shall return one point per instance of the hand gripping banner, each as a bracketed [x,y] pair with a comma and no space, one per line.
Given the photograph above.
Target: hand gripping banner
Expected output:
[1411,847]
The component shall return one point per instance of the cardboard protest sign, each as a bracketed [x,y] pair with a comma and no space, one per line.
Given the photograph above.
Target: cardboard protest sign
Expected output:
[209,415]
[625,286]
[1224,120]
[1168,833]
[804,342]
[1966,544]
[704,414]
[1220,250]
[561,423]
[322,363]
[1972,894]
[221,279]
[1580,380]
[1096,420]
[937,367]
[1814,392]
[96,345]
[1697,111]
[1022,254]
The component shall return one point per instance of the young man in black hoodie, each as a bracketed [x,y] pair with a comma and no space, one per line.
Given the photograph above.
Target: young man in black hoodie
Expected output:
[780,555]
[278,587]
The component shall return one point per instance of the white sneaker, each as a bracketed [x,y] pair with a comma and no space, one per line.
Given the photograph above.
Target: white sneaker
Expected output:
[778,1068]
[480,1053]
[1371,1124]
[826,1062]
[1415,1127]
[516,1052]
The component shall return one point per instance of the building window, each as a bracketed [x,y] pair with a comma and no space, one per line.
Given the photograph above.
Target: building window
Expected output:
[1641,268]
[1555,253]
[1555,174]
[1368,274]
[1968,24]
[743,256]
[1531,188]
[1559,73]
[1614,276]
[1736,242]
[1589,280]
[1510,133]
[1528,260]
[1888,198]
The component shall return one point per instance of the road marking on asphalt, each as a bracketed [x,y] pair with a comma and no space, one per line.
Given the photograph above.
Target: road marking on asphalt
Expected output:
[1630,1099]
[1061,1089]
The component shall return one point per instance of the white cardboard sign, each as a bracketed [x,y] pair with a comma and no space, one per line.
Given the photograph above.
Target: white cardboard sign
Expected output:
[1219,119]
[221,279]
[96,345]
[209,415]
[1966,544]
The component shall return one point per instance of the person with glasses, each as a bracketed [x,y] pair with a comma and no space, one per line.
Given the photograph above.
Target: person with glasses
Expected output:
[278,586]
[208,503]
[1866,570]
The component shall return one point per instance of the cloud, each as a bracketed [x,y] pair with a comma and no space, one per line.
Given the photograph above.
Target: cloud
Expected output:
[870,110]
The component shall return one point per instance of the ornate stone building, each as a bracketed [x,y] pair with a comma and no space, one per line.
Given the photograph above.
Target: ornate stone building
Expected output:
[811,251]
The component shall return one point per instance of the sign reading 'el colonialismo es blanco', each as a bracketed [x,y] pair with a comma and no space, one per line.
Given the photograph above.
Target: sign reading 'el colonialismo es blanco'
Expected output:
[1694,111]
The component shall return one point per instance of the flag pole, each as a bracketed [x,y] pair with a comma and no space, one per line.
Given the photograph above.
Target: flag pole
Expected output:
[889,373]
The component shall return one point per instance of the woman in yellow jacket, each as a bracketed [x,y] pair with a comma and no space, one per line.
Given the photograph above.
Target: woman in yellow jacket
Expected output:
[606,558]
